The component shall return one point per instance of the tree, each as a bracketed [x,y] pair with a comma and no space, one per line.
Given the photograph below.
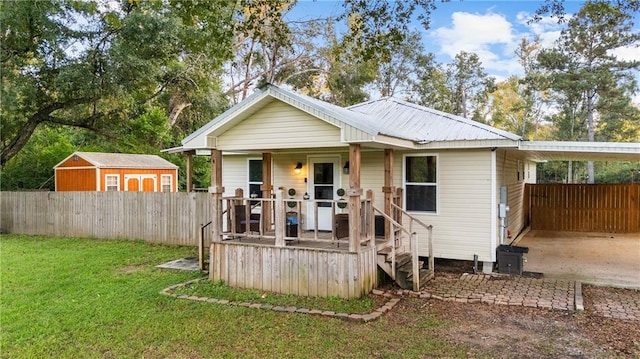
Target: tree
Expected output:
[516,104]
[376,26]
[396,74]
[470,84]
[584,71]
[430,87]
[72,63]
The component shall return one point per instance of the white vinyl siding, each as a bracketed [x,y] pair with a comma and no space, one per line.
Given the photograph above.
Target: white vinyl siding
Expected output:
[279,125]
[507,174]
[371,175]
[462,225]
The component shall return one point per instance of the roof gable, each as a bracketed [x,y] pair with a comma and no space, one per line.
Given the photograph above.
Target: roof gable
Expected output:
[374,121]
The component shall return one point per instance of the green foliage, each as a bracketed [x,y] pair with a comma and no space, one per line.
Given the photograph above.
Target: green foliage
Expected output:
[33,167]
[377,26]
[69,63]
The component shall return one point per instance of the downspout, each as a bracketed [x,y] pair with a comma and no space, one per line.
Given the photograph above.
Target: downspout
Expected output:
[494,205]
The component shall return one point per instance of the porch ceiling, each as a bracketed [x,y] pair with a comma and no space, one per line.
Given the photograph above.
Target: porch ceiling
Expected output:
[580,151]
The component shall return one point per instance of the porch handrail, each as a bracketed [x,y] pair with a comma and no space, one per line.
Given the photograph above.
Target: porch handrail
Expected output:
[201,245]
[413,243]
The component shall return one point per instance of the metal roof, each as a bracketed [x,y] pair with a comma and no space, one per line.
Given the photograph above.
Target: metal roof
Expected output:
[423,125]
[580,151]
[384,117]
[122,160]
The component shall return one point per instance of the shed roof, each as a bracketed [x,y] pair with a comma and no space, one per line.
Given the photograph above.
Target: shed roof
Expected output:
[122,160]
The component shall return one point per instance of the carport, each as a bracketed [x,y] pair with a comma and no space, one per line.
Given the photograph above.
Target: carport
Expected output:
[583,232]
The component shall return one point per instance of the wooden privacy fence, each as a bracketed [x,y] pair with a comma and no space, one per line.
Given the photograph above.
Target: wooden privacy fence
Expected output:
[584,207]
[167,218]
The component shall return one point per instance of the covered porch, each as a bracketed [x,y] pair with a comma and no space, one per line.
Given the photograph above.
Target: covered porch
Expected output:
[279,241]
[289,211]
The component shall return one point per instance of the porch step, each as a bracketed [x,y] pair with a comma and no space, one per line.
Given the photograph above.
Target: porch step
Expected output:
[401,259]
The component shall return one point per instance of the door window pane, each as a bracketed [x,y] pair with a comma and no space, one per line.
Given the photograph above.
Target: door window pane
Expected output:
[324,192]
[255,171]
[323,173]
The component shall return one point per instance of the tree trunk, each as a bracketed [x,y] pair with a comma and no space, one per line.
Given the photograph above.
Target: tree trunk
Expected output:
[590,132]
[20,140]
[175,108]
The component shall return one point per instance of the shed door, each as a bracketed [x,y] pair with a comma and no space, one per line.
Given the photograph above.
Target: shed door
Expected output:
[148,185]
[145,183]
[132,184]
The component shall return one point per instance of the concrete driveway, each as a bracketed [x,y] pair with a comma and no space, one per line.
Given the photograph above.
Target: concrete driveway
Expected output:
[596,258]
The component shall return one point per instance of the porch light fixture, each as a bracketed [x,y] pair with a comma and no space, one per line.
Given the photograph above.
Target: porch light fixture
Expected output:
[345,169]
[298,168]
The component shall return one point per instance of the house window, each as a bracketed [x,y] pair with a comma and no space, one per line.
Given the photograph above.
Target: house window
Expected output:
[255,178]
[166,183]
[421,187]
[111,183]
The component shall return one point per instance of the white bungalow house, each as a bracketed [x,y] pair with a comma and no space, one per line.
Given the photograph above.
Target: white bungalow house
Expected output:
[288,163]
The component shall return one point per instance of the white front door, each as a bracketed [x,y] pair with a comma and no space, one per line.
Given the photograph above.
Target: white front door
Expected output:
[324,181]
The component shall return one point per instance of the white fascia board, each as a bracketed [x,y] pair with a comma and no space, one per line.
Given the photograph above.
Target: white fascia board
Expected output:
[568,146]
[462,144]
[394,141]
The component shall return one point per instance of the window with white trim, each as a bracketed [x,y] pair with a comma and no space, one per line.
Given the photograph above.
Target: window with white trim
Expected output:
[255,178]
[420,183]
[166,183]
[112,183]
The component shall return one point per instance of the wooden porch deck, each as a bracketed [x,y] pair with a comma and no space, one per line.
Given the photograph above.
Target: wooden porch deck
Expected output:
[307,239]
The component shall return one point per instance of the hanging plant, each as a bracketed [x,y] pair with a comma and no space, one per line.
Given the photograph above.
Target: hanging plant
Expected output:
[341,192]
[291,204]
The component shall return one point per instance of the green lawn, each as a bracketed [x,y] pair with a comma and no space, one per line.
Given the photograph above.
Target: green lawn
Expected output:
[78,298]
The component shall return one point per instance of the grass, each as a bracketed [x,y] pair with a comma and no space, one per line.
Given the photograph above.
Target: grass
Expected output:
[220,290]
[86,298]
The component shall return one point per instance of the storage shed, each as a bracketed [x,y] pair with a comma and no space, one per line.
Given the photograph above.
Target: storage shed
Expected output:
[94,171]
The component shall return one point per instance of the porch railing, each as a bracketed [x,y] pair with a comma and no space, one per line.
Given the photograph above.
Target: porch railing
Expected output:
[243,218]
[395,241]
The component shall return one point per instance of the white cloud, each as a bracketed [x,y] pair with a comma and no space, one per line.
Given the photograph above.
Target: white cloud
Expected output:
[490,36]
[626,53]
[546,29]
[494,38]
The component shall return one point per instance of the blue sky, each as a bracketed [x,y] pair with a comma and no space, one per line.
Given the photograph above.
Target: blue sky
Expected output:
[492,29]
